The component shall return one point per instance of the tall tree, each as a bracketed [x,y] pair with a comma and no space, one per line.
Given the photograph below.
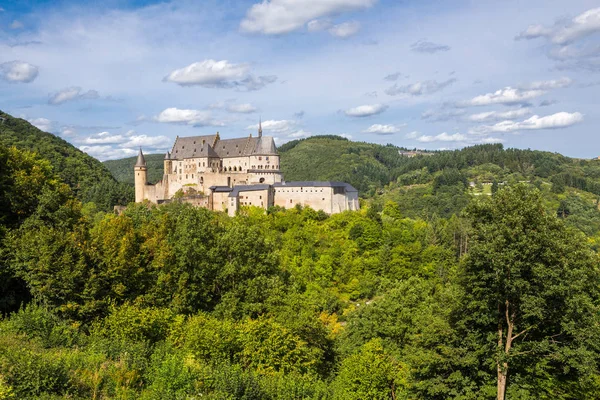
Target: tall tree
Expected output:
[531,296]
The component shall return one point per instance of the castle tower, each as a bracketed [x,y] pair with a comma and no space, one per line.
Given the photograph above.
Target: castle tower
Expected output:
[259,127]
[141,177]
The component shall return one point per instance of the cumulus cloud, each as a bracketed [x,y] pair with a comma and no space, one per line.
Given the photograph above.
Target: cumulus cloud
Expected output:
[554,121]
[208,73]
[366,110]
[18,72]
[243,108]
[345,30]
[71,94]
[420,88]
[423,46]
[104,153]
[218,74]
[566,31]
[174,115]
[105,145]
[412,135]
[508,95]
[442,137]
[567,38]
[274,17]
[499,115]
[276,126]
[380,129]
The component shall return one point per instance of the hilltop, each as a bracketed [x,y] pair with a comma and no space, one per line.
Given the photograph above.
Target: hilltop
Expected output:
[89,179]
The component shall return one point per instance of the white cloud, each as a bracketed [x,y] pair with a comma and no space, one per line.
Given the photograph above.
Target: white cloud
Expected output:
[103,153]
[380,129]
[345,30]
[208,73]
[174,115]
[554,121]
[16,25]
[419,88]
[42,124]
[274,17]
[244,108]
[442,137]
[70,94]
[103,138]
[412,135]
[366,110]
[317,25]
[564,32]
[499,115]
[145,141]
[276,126]
[423,46]
[508,95]
[491,140]
[18,71]
[551,84]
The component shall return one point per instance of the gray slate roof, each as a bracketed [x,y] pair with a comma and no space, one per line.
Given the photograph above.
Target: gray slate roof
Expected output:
[141,161]
[347,186]
[247,188]
[202,146]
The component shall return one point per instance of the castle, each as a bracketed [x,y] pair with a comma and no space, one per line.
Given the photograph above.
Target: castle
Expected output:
[226,174]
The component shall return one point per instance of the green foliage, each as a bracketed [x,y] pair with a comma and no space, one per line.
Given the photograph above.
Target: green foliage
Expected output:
[371,374]
[122,169]
[86,176]
[402,299]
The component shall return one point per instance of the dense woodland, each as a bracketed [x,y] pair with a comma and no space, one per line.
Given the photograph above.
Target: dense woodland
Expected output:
[433,290]
[88,178]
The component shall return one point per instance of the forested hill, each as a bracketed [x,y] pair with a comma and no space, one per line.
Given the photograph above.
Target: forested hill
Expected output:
[366,166]
[90,180]
[122,169]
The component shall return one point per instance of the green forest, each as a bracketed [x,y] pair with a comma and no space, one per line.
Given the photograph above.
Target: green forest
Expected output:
[468,274]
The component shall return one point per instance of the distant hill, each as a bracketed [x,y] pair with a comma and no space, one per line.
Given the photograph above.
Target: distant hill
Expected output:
[439,184]
[366,166]
[122,169]
[88,177]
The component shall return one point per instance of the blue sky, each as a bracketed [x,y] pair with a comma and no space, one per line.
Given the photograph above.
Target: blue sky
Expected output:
[110,76]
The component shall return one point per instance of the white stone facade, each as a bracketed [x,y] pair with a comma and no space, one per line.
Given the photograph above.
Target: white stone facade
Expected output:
[224,175]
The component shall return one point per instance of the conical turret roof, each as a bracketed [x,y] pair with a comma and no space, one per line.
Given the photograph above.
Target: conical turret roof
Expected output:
[141,161]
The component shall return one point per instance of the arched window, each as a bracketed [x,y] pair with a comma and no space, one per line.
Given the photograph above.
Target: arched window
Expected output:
[235,169]
[202,180]
[262,180]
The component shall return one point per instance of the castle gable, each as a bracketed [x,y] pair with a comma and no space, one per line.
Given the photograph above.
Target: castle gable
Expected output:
[265,145]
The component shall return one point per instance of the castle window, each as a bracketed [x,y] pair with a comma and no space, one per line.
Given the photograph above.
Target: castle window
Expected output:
[186,176]
[260,197]
[259,158]
[267,158]
[291,201]
[192,176]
